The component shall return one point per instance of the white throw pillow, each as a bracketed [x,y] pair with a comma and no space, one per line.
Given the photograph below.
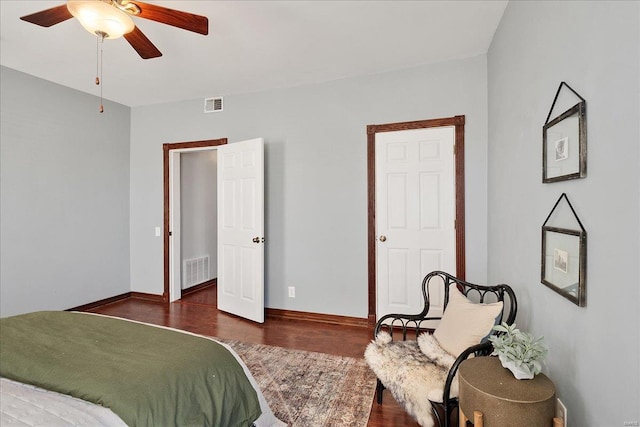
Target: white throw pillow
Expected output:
[465,323]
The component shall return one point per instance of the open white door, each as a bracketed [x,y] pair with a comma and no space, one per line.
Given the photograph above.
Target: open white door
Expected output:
[241,229]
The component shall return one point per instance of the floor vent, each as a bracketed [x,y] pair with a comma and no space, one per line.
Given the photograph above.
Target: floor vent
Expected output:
[213,105]
[195,271]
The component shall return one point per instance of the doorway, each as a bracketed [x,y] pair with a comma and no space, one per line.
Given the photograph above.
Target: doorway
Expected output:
[173,259]
[416,143]
[240,224]
[198,220]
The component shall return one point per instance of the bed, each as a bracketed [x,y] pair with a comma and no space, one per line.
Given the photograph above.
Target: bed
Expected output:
[70,368]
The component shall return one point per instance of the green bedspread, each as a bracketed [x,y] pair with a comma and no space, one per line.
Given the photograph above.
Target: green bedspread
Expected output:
[148,376]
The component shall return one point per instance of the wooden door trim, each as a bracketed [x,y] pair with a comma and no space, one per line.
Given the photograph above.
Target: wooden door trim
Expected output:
[166,149]
[372,130]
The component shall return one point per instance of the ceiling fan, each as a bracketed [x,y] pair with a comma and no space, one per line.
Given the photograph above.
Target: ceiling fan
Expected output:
[112,19]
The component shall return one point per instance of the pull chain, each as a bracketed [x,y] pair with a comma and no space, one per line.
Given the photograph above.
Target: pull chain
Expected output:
[99,53]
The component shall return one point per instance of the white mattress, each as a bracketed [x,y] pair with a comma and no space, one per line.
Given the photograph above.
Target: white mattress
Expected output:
[25,405]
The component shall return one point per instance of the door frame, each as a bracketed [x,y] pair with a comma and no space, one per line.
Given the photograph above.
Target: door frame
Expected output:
[167,149]
[458,153]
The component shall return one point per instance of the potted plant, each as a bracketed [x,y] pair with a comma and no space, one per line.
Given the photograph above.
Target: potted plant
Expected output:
[518,351]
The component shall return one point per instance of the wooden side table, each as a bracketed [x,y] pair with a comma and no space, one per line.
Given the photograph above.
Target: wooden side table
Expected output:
[494,398]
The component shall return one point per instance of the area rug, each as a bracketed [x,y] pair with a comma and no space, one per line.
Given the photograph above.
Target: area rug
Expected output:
[308,389]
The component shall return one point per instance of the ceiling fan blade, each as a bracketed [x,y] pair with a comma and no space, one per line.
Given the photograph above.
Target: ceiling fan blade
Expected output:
[187,21]
[49,17]
[142,44]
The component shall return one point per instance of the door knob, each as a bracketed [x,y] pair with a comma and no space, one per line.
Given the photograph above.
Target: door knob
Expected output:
[256,240]
[383,238]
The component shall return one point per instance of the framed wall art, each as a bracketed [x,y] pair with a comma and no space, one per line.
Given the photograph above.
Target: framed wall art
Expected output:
[564,142]
[564,254]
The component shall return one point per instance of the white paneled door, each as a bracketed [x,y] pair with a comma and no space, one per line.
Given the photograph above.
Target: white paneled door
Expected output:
[241,229]
[415,215]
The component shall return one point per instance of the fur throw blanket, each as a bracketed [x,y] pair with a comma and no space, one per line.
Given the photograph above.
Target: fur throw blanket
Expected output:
[414,371]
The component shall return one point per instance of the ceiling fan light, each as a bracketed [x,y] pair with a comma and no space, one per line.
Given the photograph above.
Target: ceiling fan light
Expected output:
[99,17]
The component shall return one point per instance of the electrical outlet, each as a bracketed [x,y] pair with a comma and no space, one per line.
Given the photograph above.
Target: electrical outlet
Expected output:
[561,411]
[292,291]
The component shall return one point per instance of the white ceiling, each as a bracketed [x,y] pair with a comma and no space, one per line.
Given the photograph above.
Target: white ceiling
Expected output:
[251,46]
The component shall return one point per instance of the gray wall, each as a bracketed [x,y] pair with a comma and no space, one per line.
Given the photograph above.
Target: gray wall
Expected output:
[315,160]
[199,208]
[594,47]
[64,196]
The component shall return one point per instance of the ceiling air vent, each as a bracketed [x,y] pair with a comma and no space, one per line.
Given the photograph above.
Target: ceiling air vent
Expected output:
[213,105]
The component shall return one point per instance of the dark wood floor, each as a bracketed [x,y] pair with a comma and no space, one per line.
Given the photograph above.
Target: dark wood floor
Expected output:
[197,313]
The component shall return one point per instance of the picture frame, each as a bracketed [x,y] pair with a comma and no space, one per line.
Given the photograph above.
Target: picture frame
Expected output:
[564,143]
[564,262]
[564,258]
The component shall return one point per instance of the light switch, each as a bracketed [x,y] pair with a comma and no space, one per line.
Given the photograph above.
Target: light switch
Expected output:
[157,231]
